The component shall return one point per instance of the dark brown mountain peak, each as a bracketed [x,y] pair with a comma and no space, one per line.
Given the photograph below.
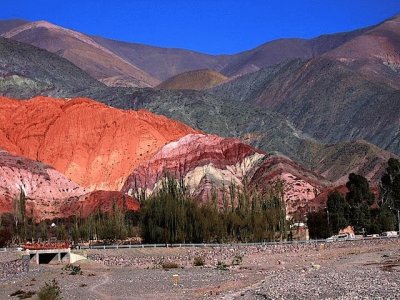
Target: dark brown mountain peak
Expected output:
[83,51]
[6,25]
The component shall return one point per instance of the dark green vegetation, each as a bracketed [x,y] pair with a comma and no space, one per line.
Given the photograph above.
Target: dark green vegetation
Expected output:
[118,224]
[390,184]
[170,215]
[27,71]
[169,265]
[359,207]
[50,291]
[17,227]
[74,270]
[324,98]
[20,294]
[198,261]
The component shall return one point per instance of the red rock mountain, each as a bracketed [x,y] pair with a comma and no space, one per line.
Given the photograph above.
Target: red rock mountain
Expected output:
[94,145]
[210,163]
[82,51]
[97,147]
[49,194]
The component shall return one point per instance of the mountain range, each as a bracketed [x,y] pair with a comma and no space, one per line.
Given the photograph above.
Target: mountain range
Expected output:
[362,49]
[312,111]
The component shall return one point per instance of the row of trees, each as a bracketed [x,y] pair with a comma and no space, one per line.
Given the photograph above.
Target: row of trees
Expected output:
[172,215]
[117,224]
[359,206]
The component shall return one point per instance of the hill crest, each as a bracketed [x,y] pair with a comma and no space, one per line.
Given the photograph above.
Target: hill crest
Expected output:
[194,80]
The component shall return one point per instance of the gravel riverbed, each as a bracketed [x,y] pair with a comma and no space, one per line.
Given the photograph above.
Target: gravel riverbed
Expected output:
[353,270]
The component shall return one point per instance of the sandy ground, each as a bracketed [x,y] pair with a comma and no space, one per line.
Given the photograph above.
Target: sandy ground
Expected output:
[351,271]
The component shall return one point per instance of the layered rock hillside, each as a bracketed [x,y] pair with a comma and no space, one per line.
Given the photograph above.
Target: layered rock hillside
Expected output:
[37,181]
[324,98]
[297,134]
[49,194]
[27,71]
[209,164]
[375,53]
[82,51]
[193,80]
[263,129]
[94,145]
[93,202]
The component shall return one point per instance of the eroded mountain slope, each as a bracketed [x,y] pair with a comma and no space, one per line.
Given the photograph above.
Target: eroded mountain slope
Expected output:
[94,145]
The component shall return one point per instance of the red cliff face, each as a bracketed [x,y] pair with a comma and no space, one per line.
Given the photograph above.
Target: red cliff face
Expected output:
[98,147]
[193,158]
[44,187]
[89,203]
[49,194]
[94,145]
[208,162]
[301,186]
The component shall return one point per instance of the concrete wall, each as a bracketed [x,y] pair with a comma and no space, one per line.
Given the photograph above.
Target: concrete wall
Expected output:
[53,256]
[75,257]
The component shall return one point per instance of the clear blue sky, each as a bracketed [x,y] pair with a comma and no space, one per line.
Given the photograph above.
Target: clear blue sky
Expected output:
[210,26]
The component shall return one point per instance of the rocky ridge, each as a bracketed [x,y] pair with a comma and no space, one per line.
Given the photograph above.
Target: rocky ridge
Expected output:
[94,145]
[209,164]
[49,194]
[82,51]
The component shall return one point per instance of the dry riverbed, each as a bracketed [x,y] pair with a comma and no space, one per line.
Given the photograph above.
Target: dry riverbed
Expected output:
[356,270]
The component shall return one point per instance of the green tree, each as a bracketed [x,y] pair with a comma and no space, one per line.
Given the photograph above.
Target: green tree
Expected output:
[360,198]
[337,211]
[390,184]
[317,223]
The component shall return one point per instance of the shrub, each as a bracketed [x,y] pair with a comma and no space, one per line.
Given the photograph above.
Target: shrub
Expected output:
[5,237]
[22,294]
[50,291]
[169,265]
[17,293]
[237,260]
[75,270]
[198,261]
[222,266]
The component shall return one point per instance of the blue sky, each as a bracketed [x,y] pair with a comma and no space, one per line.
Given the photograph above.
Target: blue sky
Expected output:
[209,26]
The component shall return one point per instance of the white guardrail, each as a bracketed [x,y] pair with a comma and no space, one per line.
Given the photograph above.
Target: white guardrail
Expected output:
[131,246]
